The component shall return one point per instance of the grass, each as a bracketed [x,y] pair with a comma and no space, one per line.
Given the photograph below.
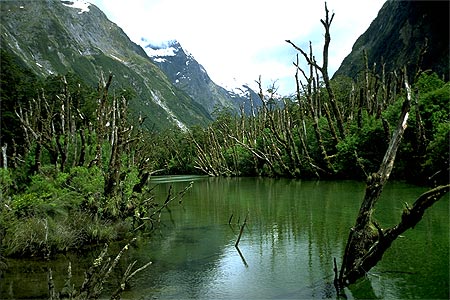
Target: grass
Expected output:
[43,237]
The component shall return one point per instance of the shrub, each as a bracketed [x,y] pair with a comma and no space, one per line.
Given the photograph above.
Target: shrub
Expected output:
[437,163]
[362,149]
[6,184]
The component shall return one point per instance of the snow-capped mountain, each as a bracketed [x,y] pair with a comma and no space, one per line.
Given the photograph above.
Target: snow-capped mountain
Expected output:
[187,74]
[56,37]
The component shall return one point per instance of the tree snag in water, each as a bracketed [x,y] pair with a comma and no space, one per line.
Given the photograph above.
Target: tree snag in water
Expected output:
[367,241]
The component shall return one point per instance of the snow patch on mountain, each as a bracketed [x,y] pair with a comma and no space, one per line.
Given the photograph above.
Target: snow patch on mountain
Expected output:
[158,101]
[160,52]
[241,91]
[116,58]
[236,89]
[82,5]
[160,60]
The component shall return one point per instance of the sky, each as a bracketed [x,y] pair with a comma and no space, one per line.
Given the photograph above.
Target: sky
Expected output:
[237,41]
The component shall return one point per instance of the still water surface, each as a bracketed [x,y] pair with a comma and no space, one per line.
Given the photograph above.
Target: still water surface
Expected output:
[294,229]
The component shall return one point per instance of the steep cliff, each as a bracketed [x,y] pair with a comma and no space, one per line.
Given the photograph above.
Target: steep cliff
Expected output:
[398,34]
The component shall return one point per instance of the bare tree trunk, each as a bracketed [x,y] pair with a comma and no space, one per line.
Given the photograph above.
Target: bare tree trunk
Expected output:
[337,114]
[410,217]
[367,241]
[4,156]
[82,157]
[311,94]
[324,69]
[121,136]
[365,232]
[302,133]
[330,124]
[102,113]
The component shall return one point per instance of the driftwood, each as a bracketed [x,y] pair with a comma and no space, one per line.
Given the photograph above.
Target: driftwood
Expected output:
[367,241]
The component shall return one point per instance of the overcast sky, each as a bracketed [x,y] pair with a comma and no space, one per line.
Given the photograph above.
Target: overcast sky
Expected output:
[236,41]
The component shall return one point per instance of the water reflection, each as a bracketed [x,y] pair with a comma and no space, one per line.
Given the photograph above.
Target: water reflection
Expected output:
[293,231]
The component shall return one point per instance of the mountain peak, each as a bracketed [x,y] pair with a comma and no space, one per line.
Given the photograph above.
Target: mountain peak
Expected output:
[159,52]
[162,45]
[186,73]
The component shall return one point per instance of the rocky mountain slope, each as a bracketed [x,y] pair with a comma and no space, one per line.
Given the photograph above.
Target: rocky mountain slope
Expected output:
[188,75]
[398,34]
[56,37]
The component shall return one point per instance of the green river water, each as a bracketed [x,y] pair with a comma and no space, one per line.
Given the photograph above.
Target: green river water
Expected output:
[294,230]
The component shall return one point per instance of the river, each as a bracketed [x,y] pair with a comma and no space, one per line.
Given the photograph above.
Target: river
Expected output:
[293,231]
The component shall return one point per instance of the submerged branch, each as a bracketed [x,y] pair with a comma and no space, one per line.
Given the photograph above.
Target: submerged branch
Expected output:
[95,278]
[241,231]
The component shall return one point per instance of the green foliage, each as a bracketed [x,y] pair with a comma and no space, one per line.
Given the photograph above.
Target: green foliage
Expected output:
[172,151]
[85,181]
[47,195]
[435,108]
[224,148]
[17,85]
[64,211]
[362,150]
[6,183]
[343,87]
[241,160]
[428,83]
[26,236]
[26,204]
[56,186]
[437,162]
[418,160]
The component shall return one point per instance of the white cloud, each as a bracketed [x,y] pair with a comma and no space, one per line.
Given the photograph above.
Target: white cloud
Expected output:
[242,39]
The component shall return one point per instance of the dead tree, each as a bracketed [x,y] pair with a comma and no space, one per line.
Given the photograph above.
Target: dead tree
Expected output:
[367,241]
[38,122]
[324,69]
[122,135]
[102,113]
[311,94]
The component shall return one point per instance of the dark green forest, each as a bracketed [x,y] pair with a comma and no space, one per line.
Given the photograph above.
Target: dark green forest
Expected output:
[76,162]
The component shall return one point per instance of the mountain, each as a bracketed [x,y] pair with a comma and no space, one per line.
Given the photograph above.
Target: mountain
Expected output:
[56,37]
[190,76]
[398,34]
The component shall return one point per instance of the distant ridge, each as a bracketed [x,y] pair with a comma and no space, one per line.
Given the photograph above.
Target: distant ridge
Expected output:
[191,77]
